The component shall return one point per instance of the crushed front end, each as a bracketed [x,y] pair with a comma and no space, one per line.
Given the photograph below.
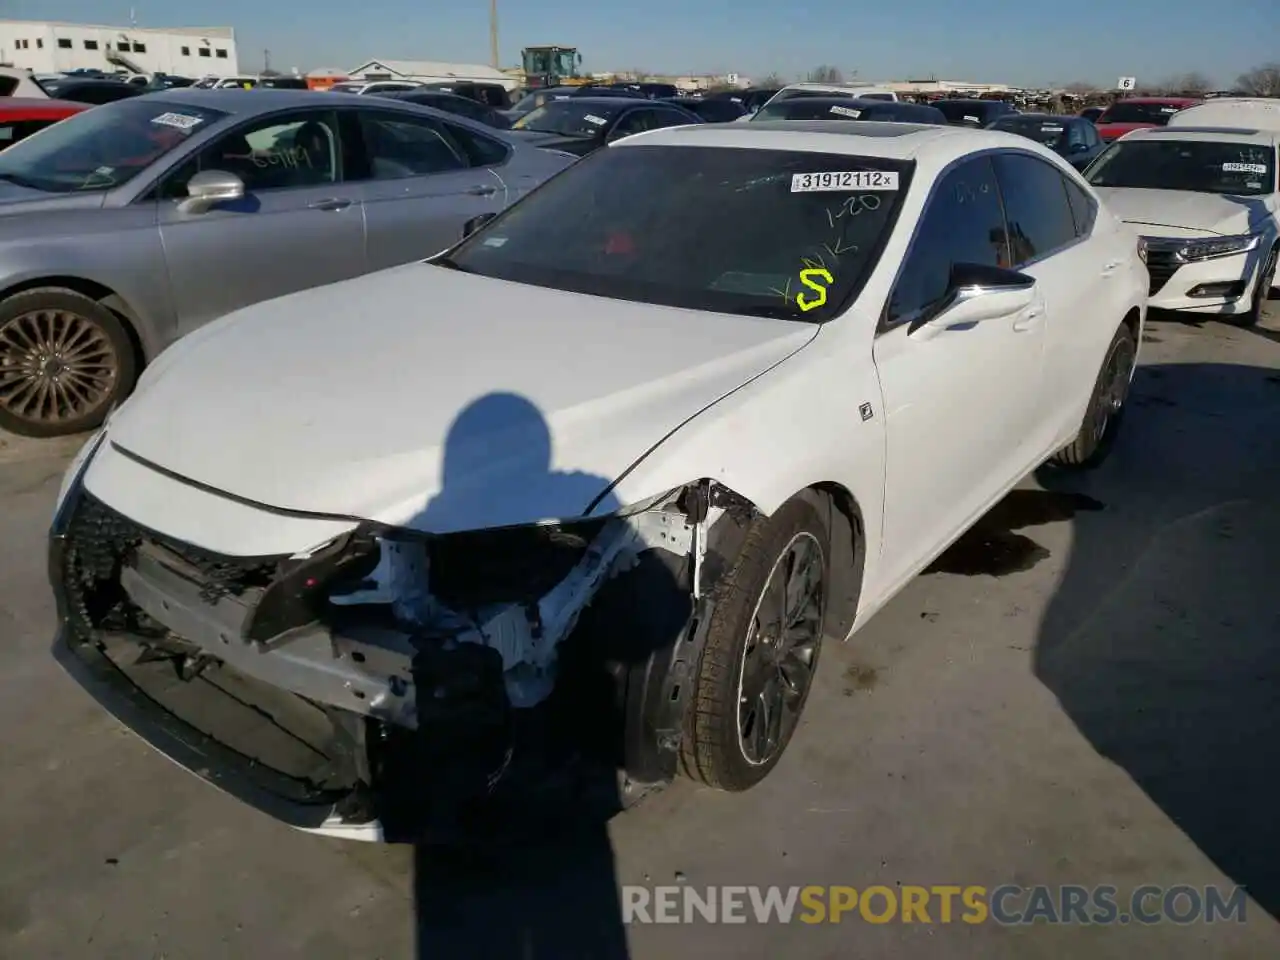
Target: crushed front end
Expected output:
[387,683]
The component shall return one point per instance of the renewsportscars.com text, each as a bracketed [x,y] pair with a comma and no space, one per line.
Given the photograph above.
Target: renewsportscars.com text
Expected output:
[1007,904]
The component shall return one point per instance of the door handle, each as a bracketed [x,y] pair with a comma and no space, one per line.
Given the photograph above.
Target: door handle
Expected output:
[1030,318]
[483,190]
[1110,269]
[333,203]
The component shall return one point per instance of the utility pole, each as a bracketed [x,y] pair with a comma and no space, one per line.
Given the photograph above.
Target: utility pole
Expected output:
[493,34]
[266,60]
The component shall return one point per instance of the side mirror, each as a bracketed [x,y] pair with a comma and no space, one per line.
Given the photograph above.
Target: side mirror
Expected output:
[475,223]
[975,293]
[210,187]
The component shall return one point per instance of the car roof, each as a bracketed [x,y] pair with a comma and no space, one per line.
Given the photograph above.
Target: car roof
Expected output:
[893,141]
[1235,112]
[1182,100]
[609,101]
[237,101]
[38,105]
[1211,134]
[1040,117]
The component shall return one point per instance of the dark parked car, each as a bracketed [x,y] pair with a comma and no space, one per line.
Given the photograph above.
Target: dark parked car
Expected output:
[654,91]
[849,108]
[1092,113]
[452,103]
[536,98]
[580,125]
[751,98]
[1073,138]
[283,83]
[493,95]
[90,91]
[712,111]
[974,113]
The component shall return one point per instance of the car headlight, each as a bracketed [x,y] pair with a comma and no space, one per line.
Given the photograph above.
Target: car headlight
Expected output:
[1214,247]
[77,466]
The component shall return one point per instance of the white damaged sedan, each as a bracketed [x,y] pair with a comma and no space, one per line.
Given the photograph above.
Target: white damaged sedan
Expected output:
[621,460]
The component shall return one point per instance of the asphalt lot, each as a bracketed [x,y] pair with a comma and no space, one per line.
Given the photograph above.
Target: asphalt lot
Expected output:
[1086,691]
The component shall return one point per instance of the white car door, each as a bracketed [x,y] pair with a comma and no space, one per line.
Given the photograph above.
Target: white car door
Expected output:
[961,407]
[1083,280]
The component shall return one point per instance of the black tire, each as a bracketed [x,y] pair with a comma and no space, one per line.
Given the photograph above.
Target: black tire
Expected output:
[97,370]
[712,748]
[1261,292]
[1105,413]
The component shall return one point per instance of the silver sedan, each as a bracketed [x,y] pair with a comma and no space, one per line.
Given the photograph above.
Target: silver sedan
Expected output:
[129,225]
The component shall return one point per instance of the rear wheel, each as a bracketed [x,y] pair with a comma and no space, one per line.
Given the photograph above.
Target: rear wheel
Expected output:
[64,361]
[1105,412]
[761,652]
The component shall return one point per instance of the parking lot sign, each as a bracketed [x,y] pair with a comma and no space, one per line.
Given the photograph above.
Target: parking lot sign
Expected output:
[1127,83]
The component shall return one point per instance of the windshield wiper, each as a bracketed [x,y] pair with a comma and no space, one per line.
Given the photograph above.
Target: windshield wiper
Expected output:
[771,312]
[18,181]
[450,264]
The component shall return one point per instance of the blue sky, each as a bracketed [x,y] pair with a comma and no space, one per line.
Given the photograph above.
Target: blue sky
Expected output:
[1034,42]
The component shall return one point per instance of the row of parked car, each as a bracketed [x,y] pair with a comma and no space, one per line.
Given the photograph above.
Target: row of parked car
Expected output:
[471,459]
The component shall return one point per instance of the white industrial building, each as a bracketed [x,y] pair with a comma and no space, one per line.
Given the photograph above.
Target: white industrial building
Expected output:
[51,47]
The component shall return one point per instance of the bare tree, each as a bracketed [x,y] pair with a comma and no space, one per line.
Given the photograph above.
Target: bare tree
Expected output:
[826,74]
[1080,87]
[773,80]
[1263,81]
[1192,84]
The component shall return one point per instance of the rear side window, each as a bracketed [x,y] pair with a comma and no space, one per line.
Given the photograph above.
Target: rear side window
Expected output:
[1036,207]
[11,133]
[962,224]
[1083,210]
[480,151]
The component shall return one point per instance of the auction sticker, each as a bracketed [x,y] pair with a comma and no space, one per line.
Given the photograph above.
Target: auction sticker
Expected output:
[1244,168]
[846,180]
[592,118]
[179,121]
[847,112]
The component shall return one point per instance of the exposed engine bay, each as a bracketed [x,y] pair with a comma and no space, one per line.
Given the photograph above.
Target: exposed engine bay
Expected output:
[428,664]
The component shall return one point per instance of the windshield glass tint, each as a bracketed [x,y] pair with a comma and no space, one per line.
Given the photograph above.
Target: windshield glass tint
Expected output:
[568,118]
[1241,169]
[1052,133]
[703,228]
[958,111]
[808,108]
[1156,113]
[103,147]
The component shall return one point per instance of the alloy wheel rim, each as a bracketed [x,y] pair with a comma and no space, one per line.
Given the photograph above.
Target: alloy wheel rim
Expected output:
[1117,378]
[55,366]
[781,651]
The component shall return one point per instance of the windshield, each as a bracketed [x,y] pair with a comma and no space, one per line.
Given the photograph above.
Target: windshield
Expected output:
[205,83]
[963,112]
[810,108]
[1200,166]
[1052,133]
[103,147]
[1154,113]
[347,87]
[567,118]
[756,232]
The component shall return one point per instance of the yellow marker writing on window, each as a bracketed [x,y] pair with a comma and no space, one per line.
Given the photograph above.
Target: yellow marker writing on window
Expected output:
[810,278]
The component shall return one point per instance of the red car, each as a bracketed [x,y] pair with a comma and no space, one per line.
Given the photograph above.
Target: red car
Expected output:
[1134,113]
[21,116]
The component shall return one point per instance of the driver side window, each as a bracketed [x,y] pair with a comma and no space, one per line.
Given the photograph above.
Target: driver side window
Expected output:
[280,152]
[963,223]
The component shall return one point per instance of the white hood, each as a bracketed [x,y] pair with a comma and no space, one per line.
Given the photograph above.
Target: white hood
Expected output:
[1182,213]
[345,400]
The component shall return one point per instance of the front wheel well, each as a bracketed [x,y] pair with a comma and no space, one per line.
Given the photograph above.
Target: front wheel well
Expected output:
[848,555]
[97,291]
[1133,320]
